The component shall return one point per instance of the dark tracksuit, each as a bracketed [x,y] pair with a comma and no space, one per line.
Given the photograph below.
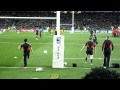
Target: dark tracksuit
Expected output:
[95,39]
[40,33]
[37,31]
[26,52]
[91,33]
[106,48]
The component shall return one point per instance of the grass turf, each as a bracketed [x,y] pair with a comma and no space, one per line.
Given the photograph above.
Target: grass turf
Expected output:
[12,68]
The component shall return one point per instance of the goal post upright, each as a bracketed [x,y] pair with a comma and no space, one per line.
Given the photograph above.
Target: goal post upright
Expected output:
[72,21]
[58,46]
[58,23]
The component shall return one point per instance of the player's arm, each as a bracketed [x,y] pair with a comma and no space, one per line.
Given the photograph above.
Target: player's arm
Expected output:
[31,49]
[83,47]
[103,45]
[94,48]
[112,46]
[96,40]
[20,46]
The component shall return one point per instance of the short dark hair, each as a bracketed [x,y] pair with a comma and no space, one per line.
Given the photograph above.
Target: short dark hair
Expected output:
[25,40]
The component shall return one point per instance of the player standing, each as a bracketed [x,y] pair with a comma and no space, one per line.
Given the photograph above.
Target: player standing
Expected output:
[107,47]
[94,38]
[37,33]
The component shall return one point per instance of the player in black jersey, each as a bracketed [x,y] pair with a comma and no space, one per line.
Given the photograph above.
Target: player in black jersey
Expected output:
[90,49]
[107,47]
[37,33]
[26,50]
[94,38]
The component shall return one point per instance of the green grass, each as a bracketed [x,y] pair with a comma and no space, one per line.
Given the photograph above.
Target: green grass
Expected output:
[9,42]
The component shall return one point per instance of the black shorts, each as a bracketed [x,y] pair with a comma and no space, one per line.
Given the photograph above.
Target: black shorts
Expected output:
[26,55]
[89,52]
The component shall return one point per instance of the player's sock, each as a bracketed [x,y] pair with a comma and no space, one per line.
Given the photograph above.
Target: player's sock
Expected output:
[86,59]
[91,60]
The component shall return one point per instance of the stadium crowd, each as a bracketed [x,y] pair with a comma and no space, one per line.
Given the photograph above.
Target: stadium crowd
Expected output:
[88,20]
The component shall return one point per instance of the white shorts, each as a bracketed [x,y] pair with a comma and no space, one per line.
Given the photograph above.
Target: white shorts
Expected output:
[91,56]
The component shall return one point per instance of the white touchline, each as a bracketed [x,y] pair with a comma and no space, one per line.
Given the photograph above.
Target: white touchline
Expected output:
[16,67]
[37,67]
[50,43]
[94,58]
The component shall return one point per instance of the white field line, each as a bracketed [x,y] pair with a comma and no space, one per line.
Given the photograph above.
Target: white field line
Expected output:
[37,67]
[61,68]
[75,67]
[94,58]
[50,43]
[30,43]
[17,67]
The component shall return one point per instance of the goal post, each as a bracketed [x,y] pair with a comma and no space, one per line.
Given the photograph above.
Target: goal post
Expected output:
[58,40]
[58,46]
